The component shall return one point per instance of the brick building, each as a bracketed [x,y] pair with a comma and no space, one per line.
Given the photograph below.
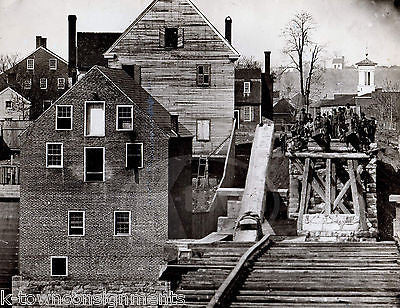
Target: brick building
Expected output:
[41,77]
[186,64]
[115,184]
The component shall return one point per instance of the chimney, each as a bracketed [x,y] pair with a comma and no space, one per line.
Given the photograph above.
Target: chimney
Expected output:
[38,41]
[267,62]
[43,42]
[72,47]
[228,29]
[175,123]
[134,71]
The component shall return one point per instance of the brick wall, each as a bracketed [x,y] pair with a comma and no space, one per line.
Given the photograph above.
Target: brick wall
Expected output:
[48,194]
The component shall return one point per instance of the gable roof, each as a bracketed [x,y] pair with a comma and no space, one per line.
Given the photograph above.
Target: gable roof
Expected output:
[143,100]
[91,46]
[248,73]
[150,7]
[46,50]
[366,62]
[283,107]
[11,89]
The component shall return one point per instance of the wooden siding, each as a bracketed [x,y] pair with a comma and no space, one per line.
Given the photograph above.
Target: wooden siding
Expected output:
[170,75]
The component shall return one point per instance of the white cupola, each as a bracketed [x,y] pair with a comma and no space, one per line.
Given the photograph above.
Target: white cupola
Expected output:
[366,76]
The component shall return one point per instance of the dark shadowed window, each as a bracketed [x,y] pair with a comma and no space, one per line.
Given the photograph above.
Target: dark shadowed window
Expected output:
[122,223]
[9,104]
[203,75]
[124,117]
[64,117]
[59,266]
[171,37]
[134,155]
[94,164]
[76,223]
[43,83]
[54,155]
[53,64]
[61,83]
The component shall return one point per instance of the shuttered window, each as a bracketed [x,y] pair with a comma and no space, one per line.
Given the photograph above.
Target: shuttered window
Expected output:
[203,130]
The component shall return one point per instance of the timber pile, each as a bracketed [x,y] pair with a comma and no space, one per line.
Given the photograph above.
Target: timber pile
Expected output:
[323,274]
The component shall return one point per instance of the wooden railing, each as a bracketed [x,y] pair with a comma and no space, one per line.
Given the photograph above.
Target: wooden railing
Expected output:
[9,175]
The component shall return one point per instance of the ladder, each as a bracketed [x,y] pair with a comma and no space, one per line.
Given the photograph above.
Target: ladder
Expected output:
[202,170]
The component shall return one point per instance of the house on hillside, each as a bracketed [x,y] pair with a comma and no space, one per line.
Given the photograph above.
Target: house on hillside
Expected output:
[187,65]
[338,63]
[41,77]
[115,185]
[284,115]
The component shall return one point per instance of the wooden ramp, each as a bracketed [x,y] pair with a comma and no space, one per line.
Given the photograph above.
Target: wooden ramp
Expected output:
[291,274]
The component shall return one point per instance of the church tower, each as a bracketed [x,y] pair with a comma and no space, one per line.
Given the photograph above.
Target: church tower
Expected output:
[366,76]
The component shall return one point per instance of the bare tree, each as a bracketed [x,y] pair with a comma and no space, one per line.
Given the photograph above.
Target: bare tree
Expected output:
[248,62]
[20,106]
[304,54]
[8,61]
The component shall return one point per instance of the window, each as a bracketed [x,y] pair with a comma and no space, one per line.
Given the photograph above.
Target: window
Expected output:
[54,155]
[53,64]
[59,266]
[171,37]
[248,114]
[61,83]
[94,119]
[367,78]
[30,64]
[76,223]
[124,117]
[43,83]
[122,223]
[203,130]
[134,155]
[94,164]
[246,87]
[46,104]
[63,117]
[28,84]
[203,74]
[8,104]
[236,114]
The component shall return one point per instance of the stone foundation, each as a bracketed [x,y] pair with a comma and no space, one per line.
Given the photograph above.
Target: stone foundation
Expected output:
[90,293]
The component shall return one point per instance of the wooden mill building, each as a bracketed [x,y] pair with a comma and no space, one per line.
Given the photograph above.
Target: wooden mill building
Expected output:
[187,65]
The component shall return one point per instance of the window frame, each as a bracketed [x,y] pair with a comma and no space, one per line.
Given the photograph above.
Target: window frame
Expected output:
[58,83]
[117,118]
[175,46]
[209,130]
[51,68]
[8,108]
[251,113]
[248,83]
[141,153]
[51,266]
[30,84]
[206,85]
[40,83]
[115,224]
[47,156]
[83,223]
[72,116]
[30,61]
[85,118]
[84,164]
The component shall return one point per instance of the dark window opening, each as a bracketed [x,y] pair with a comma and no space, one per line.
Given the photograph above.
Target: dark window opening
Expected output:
[8,104]
[134,155]
[58,266]
[171,37]
[94,165]
[76,223]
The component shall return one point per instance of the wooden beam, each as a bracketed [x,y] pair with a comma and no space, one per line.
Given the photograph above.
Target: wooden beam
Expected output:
[358,202]
[340,196]
[328,186]
[361,200]
[349,155]
[333,182]
[304,191]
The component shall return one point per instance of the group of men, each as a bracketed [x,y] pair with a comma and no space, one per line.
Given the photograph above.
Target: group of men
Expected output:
[343,123]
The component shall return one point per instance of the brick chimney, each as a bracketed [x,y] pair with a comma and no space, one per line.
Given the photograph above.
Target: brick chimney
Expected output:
[44,42]
[267,55]
[267,110]
[72,48]
[38,41]
[228,29]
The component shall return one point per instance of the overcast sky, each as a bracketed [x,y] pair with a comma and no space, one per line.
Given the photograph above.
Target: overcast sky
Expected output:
[346,27]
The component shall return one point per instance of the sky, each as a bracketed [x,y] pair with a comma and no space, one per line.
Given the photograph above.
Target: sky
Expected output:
[345,27]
